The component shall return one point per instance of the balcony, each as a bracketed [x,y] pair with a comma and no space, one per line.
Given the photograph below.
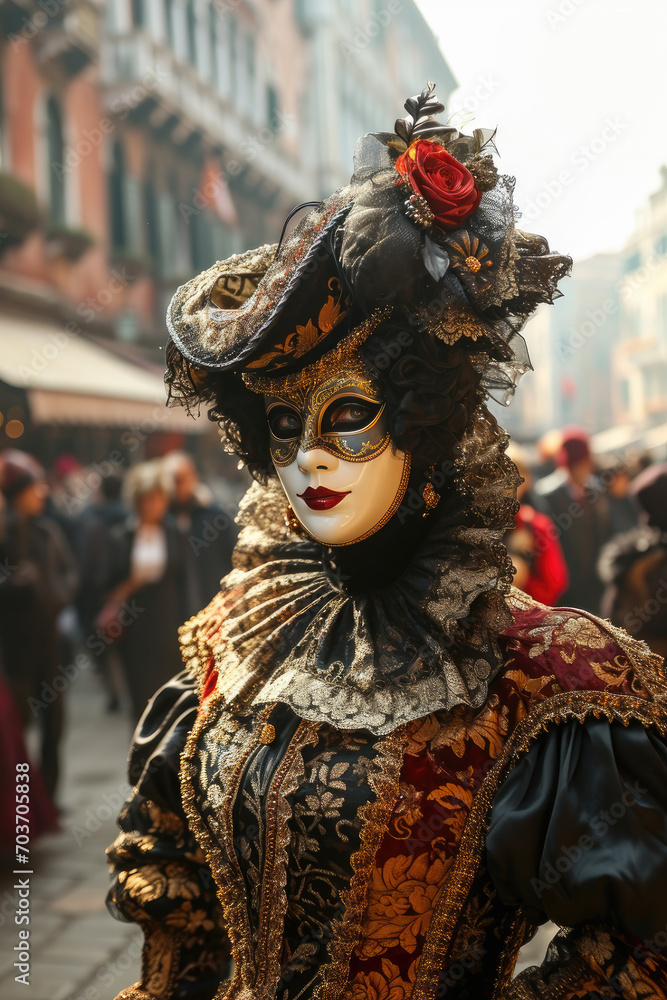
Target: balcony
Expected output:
[69,40]
[145,82]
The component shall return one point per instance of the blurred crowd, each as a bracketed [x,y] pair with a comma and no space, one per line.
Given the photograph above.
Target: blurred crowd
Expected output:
[98,569]
[99,566]
[591,533]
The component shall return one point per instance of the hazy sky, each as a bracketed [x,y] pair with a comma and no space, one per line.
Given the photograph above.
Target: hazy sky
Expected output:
[578,90]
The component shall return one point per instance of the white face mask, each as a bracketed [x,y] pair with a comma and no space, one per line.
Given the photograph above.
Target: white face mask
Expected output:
[334,457]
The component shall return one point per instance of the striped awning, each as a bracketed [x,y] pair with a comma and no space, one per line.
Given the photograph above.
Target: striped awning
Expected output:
[70,380]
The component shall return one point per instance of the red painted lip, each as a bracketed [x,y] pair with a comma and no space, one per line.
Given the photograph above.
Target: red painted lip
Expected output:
[321,498]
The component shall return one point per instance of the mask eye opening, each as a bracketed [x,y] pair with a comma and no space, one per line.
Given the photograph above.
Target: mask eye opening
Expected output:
[338,416]
[285,423]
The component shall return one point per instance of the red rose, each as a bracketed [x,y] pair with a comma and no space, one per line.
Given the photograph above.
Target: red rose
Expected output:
[448,186]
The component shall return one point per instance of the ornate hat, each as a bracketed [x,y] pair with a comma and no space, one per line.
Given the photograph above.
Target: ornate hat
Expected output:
[424,232]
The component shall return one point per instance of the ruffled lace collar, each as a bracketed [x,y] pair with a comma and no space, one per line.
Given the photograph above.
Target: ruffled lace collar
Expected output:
[280,630]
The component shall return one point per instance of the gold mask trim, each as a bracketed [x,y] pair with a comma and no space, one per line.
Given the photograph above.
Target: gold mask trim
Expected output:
[311,407]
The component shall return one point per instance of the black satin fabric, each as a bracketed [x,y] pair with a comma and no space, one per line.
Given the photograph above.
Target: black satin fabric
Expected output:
[154,758]
[578,830]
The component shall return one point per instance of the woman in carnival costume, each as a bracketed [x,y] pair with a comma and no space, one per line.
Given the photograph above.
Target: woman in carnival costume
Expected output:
[383,767]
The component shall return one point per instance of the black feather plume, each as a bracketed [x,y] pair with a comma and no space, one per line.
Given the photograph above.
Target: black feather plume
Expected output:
[420,122]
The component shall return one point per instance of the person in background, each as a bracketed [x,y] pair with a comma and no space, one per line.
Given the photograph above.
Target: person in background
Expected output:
[580,510]
[63,505]
[546,473]
[97,524]
[624,511]
[145,602]
[42,816]
[67,498]
[209,530]
[38,580]
[633,565]
[529,495]
[16,776]
[537,555]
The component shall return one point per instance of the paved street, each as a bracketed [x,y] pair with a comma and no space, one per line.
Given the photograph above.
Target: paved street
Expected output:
[78,951]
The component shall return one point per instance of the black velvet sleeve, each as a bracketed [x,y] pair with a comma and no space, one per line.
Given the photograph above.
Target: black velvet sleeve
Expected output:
[578,835]
[161,878]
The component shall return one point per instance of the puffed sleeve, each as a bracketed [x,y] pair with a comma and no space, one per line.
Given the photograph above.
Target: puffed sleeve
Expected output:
[161,878]
[578,835]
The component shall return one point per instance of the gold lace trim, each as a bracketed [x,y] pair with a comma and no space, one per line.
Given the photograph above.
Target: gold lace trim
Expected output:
[570,705]
[516,937]
[136,992]
[227,876]
[264,967]
[273,907]
[572,979]
[395,504]
[374,817]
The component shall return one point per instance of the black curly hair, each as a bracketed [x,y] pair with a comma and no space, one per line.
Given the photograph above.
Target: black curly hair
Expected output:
[431,390]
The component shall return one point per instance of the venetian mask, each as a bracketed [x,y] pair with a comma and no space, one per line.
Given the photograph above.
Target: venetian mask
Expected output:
[334,456]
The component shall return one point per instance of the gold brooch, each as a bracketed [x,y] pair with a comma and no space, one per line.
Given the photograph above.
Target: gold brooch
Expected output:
[472,253]
[431,499]
[268,734]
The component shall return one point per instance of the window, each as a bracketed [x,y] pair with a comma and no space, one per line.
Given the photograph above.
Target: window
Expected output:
[2,128]
[632,321]
[191,27]
[55,150]
[271,107]
[213,41]
[201,242]
[177,253]
[138,13]
[151,213]
[304,16]
[169,22]
[233,56]
[117,225]
[378,20]
[662,317]
[633,262]
[648,382]
[251,69]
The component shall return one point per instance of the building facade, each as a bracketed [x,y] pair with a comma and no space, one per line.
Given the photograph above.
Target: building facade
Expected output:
[141,140]
[572,345]
[601,352]
[640,358]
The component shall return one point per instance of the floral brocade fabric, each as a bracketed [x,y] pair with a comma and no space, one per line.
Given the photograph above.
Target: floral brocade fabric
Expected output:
[351,865]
